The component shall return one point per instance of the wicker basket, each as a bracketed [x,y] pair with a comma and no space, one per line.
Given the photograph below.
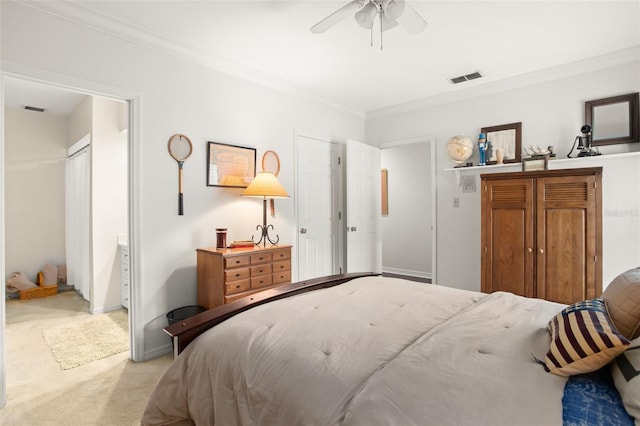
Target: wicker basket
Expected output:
[42,291]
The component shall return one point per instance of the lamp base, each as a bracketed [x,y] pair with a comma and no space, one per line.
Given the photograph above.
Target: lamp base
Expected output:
[264,237]
[264,228]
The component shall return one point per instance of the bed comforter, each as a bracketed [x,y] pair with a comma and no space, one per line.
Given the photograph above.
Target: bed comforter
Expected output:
[373,351]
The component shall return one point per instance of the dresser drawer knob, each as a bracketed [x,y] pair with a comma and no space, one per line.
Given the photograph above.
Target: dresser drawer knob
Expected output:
[237,286]
[237,275]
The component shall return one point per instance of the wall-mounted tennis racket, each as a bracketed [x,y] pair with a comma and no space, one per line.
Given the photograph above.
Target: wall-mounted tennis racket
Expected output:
[180,149]
[271,163]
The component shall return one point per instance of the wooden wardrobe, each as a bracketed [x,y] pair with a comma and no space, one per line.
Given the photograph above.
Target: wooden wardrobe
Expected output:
[542,233]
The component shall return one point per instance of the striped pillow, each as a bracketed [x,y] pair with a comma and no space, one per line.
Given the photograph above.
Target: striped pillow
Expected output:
[583,339]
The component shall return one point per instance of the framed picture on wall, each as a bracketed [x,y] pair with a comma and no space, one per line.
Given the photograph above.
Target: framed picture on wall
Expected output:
[230,165]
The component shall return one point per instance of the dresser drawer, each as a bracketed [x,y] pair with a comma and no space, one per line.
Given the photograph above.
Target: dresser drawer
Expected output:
[281,266]
[260,258]
[260,270]
[234,297]
[261,281]
[236,261]
[237,286]
[236,274]
[282,254]
[282,277]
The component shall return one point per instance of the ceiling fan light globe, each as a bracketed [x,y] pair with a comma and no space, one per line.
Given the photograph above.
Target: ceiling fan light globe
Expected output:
[366,15]
[388,24]
[393,9]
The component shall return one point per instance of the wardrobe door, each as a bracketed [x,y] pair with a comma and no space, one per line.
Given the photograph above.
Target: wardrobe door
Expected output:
[508,236]
[567,247]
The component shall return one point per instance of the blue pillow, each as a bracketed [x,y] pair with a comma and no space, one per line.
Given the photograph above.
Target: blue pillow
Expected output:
[592,399]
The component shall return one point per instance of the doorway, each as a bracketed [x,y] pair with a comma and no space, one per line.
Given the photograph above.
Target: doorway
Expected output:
[410,220]
[105,298]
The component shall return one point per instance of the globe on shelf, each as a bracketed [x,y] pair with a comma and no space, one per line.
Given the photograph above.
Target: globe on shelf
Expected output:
[459,149]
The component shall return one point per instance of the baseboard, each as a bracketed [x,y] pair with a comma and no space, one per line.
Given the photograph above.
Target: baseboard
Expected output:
[407,272]
[107,309]
[158,351]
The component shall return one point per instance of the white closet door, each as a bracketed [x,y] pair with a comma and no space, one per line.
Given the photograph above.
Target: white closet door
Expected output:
[77,217]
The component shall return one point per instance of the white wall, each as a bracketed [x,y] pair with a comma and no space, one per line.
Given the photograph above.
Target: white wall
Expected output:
[551,113]
[80,121]
[35,149]
[109,202]
[175,97]
[406,231]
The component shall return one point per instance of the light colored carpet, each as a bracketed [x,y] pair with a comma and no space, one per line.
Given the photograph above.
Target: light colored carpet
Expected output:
[111,391]
[77,344]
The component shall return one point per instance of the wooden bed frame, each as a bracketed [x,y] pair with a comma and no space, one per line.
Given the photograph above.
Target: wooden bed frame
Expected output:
[183,332]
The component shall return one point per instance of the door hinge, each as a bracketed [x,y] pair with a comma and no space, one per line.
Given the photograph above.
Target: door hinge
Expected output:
[595,185]
[340,269]
[339,215]
[595,259]
[339,161]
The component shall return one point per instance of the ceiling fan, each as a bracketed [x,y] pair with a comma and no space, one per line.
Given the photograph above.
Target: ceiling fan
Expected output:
[390,12]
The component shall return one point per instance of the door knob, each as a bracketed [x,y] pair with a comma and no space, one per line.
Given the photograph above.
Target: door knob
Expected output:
[354,229]
[303,230]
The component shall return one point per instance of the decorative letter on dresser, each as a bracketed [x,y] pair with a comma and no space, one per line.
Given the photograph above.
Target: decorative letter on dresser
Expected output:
[542,234]
[225,275]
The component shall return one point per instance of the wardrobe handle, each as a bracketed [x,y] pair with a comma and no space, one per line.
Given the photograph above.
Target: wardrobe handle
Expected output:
[529,250]
[541,251]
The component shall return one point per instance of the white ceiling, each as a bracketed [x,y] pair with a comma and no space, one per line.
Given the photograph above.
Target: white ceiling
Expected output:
[271,40]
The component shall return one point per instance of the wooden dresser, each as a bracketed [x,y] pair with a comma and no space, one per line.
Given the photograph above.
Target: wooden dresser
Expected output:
[225,275]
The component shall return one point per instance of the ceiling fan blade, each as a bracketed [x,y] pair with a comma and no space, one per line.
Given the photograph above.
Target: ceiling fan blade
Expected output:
[365,16]
[337,16]
[411,21]
[393,9]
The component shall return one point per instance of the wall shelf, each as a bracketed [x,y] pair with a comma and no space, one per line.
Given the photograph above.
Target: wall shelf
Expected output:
[457,170]
[555,163]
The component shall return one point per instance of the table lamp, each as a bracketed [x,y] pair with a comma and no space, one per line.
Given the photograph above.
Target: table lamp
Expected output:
[265,185]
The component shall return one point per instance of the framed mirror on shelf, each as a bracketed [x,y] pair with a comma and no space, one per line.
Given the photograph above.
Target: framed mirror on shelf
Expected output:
[507,137]
[613,120]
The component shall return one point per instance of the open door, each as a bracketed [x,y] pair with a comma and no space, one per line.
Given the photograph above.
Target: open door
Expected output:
[364,239]
[318,207]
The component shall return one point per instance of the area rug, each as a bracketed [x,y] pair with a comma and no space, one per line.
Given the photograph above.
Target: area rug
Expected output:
[80,343]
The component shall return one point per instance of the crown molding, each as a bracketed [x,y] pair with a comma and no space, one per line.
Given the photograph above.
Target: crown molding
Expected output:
[83,14]
[617,58]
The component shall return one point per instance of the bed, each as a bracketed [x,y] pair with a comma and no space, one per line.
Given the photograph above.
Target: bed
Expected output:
[362,349]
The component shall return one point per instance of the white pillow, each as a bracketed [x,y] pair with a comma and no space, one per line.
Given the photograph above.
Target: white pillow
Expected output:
[625,370]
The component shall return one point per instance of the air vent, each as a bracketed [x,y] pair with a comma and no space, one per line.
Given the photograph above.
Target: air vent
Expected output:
[460,79]
[32,108]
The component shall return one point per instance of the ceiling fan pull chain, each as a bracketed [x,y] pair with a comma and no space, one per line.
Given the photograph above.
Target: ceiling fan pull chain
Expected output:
[380,13]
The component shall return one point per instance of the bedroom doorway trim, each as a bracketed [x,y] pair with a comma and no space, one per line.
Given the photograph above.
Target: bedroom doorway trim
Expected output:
[92,88]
